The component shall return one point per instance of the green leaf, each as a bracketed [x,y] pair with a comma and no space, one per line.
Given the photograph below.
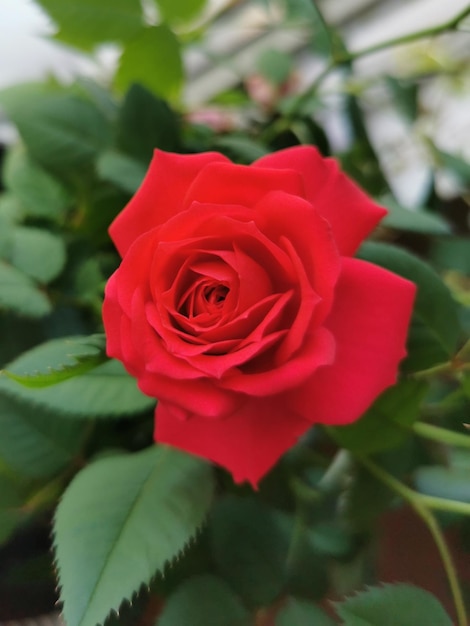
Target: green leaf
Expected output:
[203,601]
[405,93]
[275,65]
[36,442]
[393,605]
[20,294]
[145,123]
[456,165]
[11,501]
[103,391]
[444,482]
[177,11]
[125,172]
[62,132]
[300,613]
[40,194]
[153,58]
[149,505]
[254,564]
[89,22]
[322,35]
[240,148]
[434,331]
[385,424]
[38,253]
[413,220]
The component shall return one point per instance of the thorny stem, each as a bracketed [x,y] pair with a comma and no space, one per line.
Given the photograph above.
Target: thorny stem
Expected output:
[422,505]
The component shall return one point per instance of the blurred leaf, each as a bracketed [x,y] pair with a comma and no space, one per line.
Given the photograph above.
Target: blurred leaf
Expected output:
[38,253]
[88,22]
[149,505]
[104,391]
[457,166]
[254,564]
[405,93]
[11,501]
[204,601]
[392,605]
[145,123]
[36,442]
[240,148]
[443,482]
[434,331]
[19,293]
[300,613]
[274,65]
[153,58]
[324,39]
[452,253]
[414,220]
[176,11]
[125,172]
[40,194]
[384,425]
[62,132]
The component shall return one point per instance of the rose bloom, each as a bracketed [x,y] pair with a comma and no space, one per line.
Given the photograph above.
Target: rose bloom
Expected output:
[239,306]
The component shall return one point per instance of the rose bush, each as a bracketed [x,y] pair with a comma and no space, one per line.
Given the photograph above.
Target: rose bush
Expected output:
[239,306]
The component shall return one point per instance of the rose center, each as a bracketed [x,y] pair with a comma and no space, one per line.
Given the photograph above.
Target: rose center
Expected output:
[215,296]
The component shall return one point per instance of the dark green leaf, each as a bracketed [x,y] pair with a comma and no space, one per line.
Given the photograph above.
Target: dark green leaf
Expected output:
[38,253]
[393,605]
[204,601]
[89,22]
[146,123]
[175,11]
[149,505]
[254,564]
[414,220]
[20,294]
[125,172]
[62,132]
[153,58]
[36,442]
[384,425]
[12,498]
[322,35]
[300,613]
[435,329]
[40,194]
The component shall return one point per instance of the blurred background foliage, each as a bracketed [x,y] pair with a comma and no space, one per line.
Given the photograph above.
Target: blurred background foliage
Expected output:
[315,529]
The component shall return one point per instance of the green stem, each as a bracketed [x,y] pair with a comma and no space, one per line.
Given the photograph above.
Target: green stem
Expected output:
[442,435]
[422,505]
[433,31]
[349,57]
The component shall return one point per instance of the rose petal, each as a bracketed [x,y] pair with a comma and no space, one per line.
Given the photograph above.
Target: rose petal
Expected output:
[222,183]
[247,443]
[351,213]
[318,350]
[370,322]
[160,195]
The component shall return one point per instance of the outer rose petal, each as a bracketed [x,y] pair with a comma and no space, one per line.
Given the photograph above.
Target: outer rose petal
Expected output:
[160,195]
[369,321]
[247,443]
[351,213]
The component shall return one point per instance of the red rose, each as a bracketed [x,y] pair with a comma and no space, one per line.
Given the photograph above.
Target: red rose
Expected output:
[238,305]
